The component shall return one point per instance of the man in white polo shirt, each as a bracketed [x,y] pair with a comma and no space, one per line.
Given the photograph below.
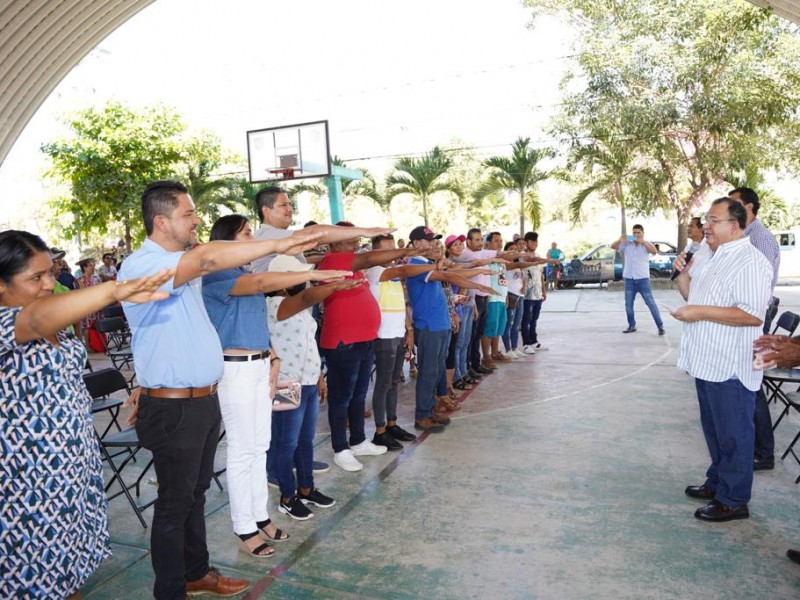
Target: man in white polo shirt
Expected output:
[727,286]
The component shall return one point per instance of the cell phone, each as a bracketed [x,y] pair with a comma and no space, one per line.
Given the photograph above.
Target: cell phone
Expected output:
[631,238]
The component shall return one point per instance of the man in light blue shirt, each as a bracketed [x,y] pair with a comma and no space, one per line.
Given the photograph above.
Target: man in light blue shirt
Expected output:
[178,361]
[636,275]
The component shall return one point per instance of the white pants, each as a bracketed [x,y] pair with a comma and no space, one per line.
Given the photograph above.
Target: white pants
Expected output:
[247,412]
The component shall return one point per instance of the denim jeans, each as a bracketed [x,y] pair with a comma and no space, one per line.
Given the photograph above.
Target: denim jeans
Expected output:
[481,303]
[349,369]
[183,437]
[390,354]
[462,340]
[765,438]
[513,322]
[530,316]
[293,443]
[726,414]
[431,354]
[640,286]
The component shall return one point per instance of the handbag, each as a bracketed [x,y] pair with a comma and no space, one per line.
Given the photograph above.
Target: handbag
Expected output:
[287,395]
[96,340]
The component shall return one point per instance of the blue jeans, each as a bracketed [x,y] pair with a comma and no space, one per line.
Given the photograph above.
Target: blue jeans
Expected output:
[431,354]
[293,443]
[511,334]
[640,286]
[349,369]
[530,317]
[726,414]
[462,341]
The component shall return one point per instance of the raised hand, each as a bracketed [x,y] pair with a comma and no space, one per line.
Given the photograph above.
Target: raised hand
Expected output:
[344,284]
[300,241]
[329,275]
[143,289]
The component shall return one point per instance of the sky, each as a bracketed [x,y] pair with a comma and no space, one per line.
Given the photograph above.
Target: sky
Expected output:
[391,78]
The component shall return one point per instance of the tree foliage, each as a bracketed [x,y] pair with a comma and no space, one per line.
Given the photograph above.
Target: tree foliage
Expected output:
[518,173]
[422,177]
[697,87]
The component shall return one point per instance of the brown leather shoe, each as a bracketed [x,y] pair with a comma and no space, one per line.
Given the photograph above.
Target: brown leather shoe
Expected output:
[489,364]
[501,358]
[440,418]
[428,425]
[716,512]
[215,583]
[700,491]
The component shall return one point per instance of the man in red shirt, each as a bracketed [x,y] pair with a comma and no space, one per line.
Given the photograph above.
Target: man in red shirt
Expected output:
[349,326]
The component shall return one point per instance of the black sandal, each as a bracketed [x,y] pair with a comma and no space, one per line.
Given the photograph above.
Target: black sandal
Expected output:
[255,552]
[280,535]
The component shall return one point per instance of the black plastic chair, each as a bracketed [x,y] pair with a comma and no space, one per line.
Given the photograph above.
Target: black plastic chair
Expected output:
[101,385]
[788,321]
[116,343]
[127,441]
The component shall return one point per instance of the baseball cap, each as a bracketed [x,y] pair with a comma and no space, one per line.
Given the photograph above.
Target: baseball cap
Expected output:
[454,238]
[423,233]
[55,253]
[283,263]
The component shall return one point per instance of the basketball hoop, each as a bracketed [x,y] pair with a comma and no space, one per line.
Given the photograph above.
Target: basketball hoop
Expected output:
[286,173]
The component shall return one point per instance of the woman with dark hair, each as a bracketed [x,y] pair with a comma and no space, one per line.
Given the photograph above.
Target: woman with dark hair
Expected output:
[87,279]
[234,299]
[53,518]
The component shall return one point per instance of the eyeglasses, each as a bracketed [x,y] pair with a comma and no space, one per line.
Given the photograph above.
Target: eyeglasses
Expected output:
[714,221]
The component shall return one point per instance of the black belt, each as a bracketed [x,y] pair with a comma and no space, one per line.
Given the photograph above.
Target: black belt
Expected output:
[245,357]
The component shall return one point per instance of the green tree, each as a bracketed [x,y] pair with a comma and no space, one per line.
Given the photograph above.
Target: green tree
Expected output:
[421,178]
[774,213]
[518,173]
[700,87]
[108,160]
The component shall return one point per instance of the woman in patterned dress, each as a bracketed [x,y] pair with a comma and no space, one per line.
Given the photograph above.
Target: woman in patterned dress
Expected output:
[53,530]
[87,279]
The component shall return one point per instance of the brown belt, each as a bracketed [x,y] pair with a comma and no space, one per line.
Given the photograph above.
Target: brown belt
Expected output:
[180,393]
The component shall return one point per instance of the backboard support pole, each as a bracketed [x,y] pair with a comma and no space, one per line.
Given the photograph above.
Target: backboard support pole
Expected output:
[334,183]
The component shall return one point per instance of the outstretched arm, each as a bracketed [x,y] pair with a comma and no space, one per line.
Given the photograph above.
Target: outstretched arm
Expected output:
[406,271]
[373,258]
[292,305]
[261,283]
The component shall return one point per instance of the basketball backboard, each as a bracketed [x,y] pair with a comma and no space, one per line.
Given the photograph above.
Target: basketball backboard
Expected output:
[289,152]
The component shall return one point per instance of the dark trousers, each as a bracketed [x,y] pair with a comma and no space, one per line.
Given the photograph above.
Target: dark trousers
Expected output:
[478,325]
[431,353]
[292,443]
[530,317]
[726,414]
[183,436]
[765,438]
[390,355]
[349,369]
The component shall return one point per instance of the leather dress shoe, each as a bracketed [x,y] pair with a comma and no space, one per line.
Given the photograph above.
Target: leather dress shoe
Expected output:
[763,465]
[216,583]
[717,512]
[483,370]
[700,491]
[794,555]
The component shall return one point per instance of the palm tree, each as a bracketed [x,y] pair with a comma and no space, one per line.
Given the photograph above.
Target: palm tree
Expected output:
[518,173]
[422,177]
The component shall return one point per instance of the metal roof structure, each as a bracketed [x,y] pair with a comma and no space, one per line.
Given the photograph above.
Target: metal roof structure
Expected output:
[42,40]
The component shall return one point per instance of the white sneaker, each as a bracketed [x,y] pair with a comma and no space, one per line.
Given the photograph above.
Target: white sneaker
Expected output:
[347,461]
[520,353]
[539,347]
[367,448]
[528,350]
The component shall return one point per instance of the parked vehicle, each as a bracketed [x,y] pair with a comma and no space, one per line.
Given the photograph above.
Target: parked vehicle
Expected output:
[603,263]
[790,254]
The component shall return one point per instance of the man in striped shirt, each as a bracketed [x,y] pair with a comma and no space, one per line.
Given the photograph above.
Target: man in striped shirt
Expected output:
[764,241]
[727,286]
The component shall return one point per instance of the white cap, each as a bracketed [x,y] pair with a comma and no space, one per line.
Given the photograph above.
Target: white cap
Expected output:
[283,263]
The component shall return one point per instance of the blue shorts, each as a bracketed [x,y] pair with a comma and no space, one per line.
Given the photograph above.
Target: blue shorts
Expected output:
[496,318]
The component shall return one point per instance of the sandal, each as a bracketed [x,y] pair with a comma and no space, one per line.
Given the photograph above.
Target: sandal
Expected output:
[452,393]
[461,384]
[280,534]
[257,552]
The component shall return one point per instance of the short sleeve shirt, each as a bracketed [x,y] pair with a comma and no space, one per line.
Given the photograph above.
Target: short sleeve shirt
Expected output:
[499,282]
[392,302]
[268,232]
[351,316]
[240,321]
[294,340]
[174,343]
[429,307]
[636,261]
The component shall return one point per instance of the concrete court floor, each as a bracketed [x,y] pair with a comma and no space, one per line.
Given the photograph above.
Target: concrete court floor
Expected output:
[561,478]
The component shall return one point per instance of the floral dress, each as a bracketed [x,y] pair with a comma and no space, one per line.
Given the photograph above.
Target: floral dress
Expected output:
[53,529]
[84,282]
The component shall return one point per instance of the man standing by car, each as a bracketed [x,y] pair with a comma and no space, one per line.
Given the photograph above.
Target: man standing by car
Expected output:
[764,241]
[636,274]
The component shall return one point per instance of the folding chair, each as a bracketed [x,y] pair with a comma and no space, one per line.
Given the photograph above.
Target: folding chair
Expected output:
[116,344]
[114,310]
[101,385]
[128,441]
[788,321]
[792,401]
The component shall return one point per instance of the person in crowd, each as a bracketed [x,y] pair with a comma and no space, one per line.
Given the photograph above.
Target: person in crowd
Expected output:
[514,308]
[535,295]
[556,257]
[293,336]
[179,361]
[462,378]
[349,328]
[727,287]
[107,271]
[764,241]
[234,300]
[636,274]
[694,231]
[432,327]
[87,279]
[395,335]
[53,517]
[65,278]
[446,396]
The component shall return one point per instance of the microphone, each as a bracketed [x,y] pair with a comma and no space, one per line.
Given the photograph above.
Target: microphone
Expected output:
[689,255]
